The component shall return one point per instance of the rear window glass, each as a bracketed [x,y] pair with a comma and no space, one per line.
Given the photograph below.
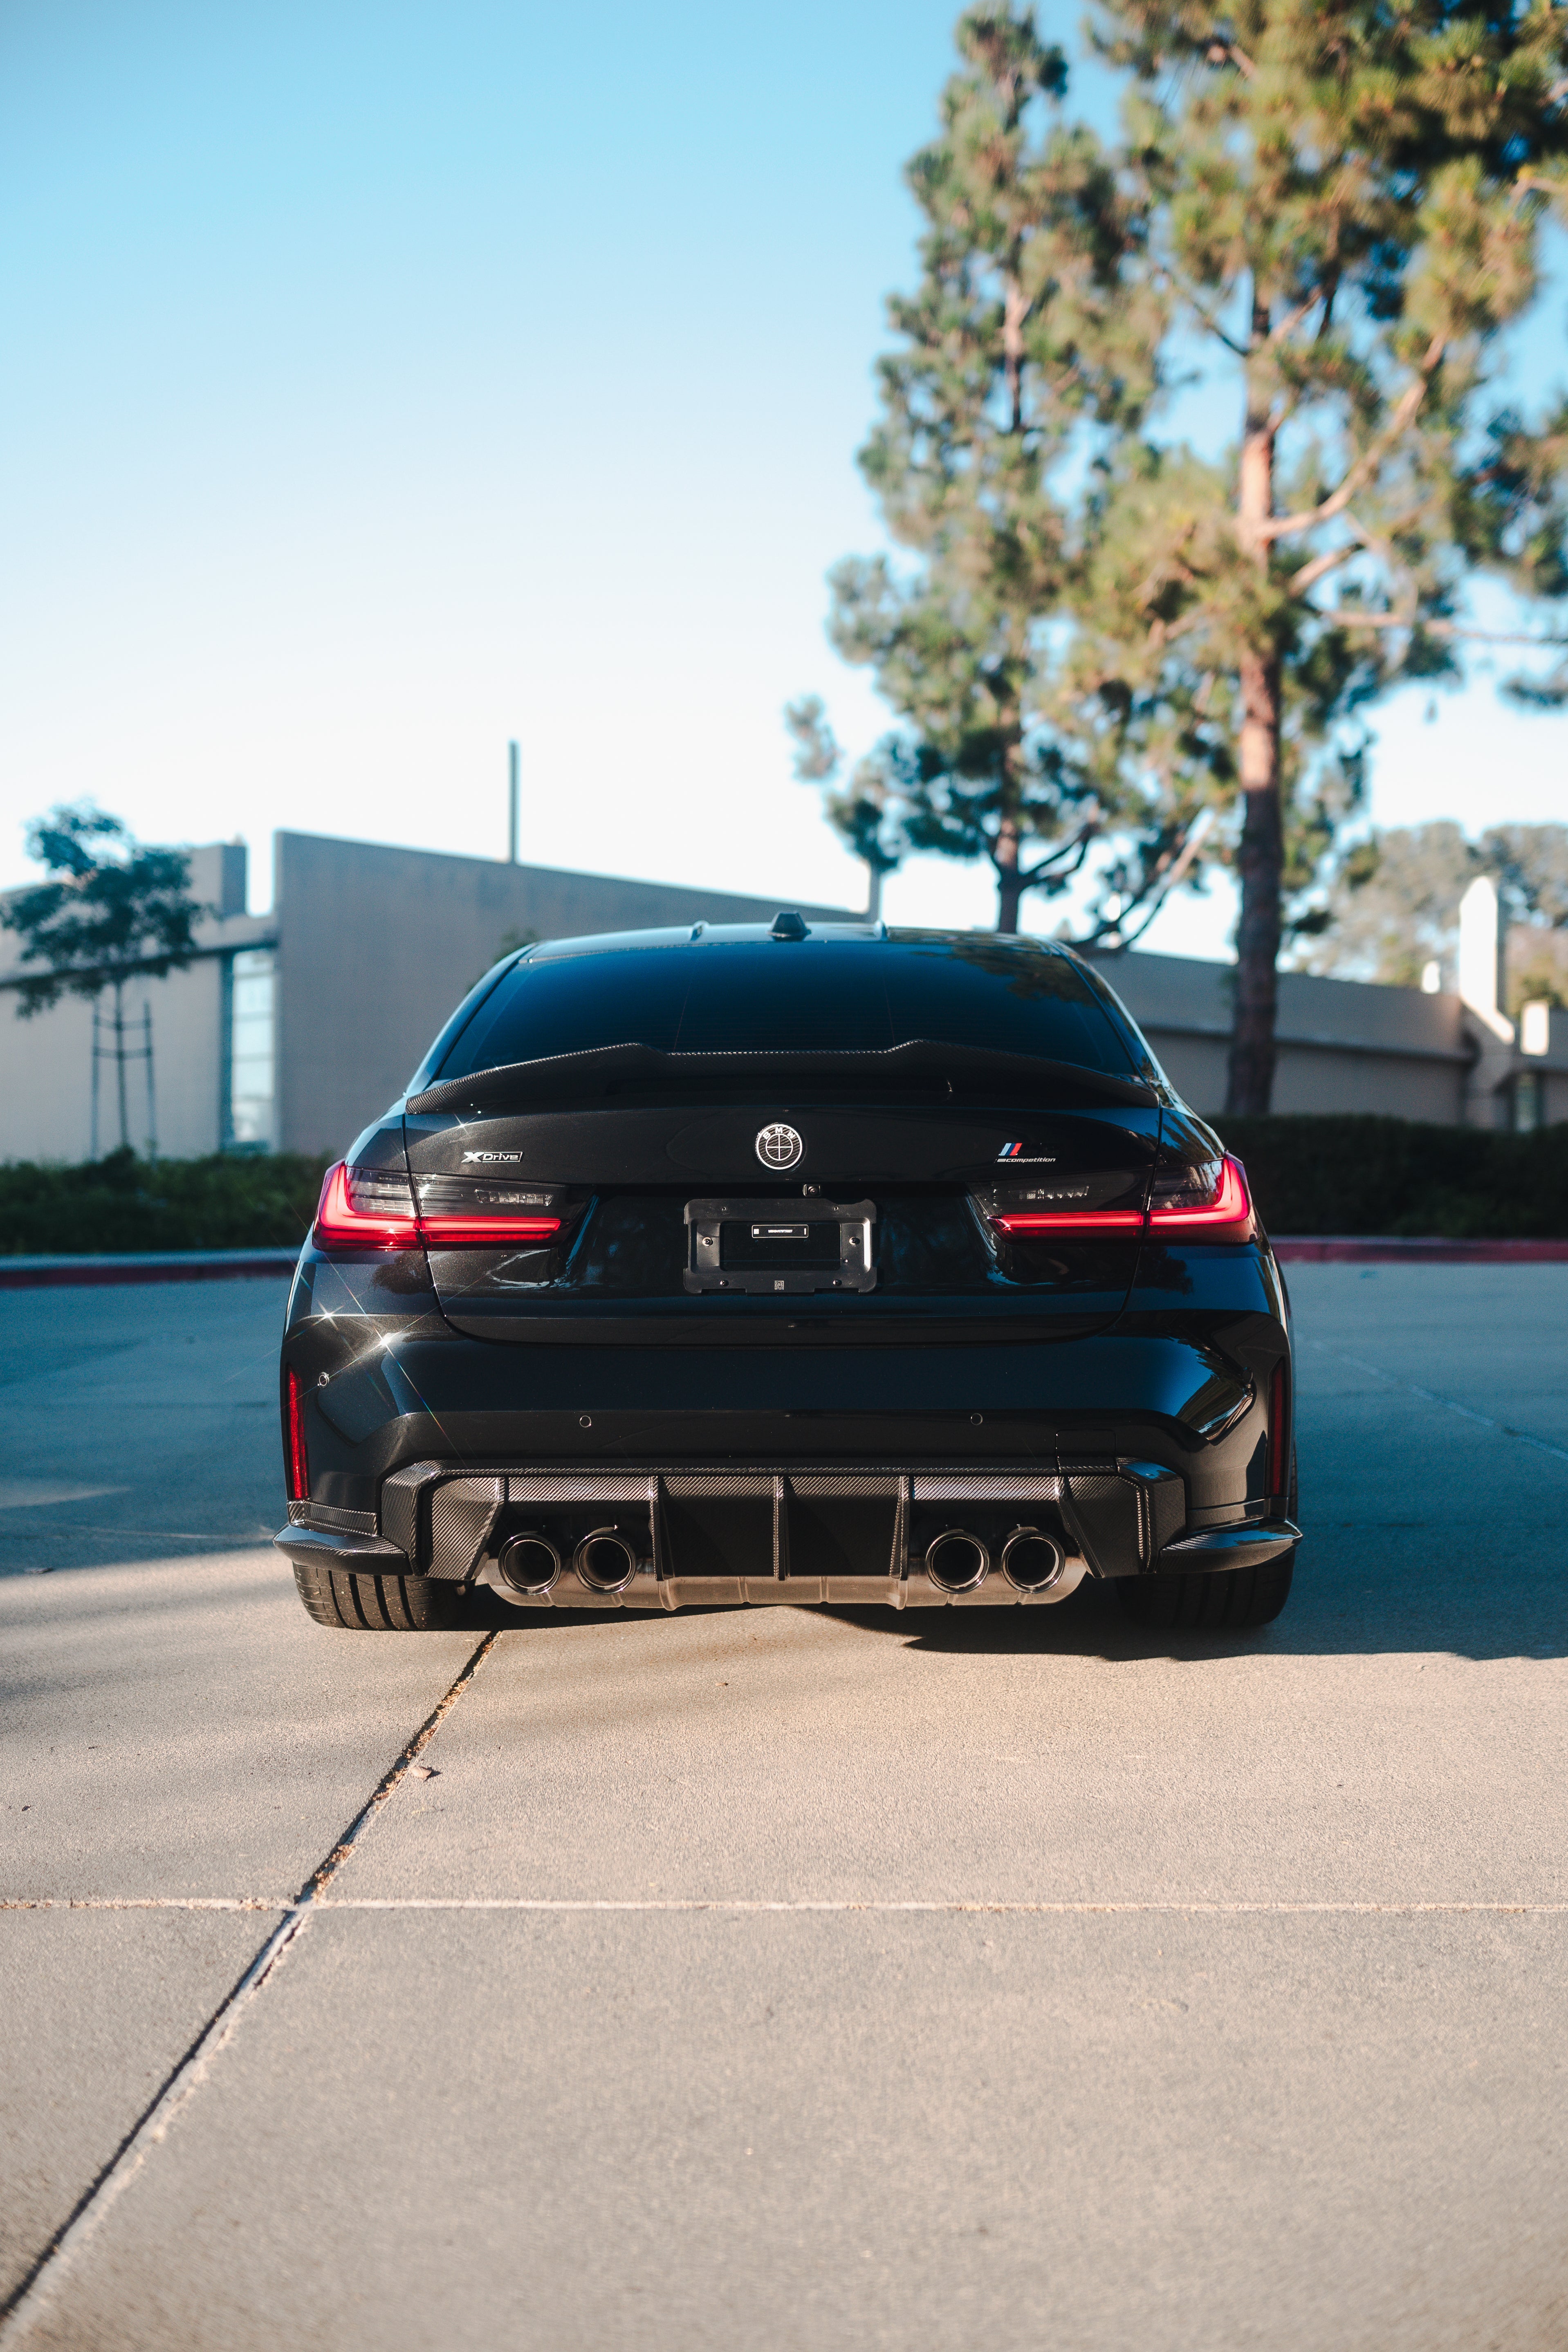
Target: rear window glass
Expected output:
[760,996]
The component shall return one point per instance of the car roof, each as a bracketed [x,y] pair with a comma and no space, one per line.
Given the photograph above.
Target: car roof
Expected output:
[759,934]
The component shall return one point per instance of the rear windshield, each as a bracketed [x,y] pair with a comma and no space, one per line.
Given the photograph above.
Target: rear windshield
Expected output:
[807,996]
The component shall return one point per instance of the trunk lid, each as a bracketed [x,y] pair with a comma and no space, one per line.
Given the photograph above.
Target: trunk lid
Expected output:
[864,1221]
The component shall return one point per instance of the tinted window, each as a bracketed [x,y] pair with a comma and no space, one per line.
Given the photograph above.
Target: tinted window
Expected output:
[762,995]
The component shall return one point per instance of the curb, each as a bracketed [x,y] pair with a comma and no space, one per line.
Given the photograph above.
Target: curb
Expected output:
[1313,1249]
[170,1265]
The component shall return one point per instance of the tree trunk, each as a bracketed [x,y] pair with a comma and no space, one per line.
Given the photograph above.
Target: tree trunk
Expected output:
[1009,886]
[873,892]
[1261,857]
[1260,860]
[120,1061]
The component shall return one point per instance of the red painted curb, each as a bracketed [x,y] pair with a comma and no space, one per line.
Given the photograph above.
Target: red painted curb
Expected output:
[50,1277]
[1307,1249]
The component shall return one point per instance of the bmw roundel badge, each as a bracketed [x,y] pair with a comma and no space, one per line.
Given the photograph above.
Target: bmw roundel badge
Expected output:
[779,1147]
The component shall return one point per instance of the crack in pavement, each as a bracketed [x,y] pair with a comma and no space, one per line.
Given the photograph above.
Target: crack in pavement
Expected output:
[37,2293]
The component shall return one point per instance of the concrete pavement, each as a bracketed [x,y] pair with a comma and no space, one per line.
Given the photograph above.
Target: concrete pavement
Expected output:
[778,1979]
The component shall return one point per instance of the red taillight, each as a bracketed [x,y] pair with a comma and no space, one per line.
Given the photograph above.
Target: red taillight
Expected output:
[487,1232]
[1226,1214]
[340,1225]
[297,1466]
[1278,1466]
[1072,1221]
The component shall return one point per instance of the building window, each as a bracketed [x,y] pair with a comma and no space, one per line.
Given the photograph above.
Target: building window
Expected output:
[1528,1106]
[251,1058]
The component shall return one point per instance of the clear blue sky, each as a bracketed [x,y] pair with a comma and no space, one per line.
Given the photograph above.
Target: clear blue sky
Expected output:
[383,380]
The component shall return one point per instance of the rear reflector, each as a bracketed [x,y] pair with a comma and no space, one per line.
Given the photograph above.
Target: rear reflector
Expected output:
[296,1465]
[1278,1471]
[343,1223]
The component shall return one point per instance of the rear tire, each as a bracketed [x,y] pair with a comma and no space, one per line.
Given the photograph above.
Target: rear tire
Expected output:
[341,1597]
[1228,1601]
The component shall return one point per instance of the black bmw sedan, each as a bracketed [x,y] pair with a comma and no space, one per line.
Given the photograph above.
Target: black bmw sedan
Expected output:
[823,1264]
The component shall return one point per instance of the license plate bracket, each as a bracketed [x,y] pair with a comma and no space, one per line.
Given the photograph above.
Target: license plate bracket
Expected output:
[768,1248]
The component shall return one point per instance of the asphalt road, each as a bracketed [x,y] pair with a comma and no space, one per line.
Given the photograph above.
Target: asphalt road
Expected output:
[783,1979]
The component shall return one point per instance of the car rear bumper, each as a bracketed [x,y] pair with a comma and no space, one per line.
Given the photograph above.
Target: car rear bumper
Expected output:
[809,1470]
[747,1537]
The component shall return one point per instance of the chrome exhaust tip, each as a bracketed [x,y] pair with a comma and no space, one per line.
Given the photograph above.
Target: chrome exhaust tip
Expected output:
[1032,1561]
[957,1561]
[606,1561]
[529,1563]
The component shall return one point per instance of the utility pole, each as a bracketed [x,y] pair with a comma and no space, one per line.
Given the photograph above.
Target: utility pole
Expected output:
[512,803]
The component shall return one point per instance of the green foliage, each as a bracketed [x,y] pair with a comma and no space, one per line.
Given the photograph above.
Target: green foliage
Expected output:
[1537,968]
[122,1203]
[112,913]
[1349,1174]
[1100,636]
[1166,609]
[1028,332]
[1393,906]
[112,910]
[1530,864]
[1345,204]
[1349,202]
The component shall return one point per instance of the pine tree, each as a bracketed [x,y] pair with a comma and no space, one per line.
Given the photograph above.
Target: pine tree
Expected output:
[1344,199]
[1025,350]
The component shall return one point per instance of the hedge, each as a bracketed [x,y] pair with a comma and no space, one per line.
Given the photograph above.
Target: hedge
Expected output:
[1333,1175]
[1341,1173]
[119,1203]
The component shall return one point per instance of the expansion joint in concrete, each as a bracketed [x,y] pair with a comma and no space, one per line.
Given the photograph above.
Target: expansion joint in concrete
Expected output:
[36,2295]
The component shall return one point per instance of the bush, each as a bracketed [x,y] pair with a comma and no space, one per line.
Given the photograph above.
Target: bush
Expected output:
[124,1203]
[1341,1173]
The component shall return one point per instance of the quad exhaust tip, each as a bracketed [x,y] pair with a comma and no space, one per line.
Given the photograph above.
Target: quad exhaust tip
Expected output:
[529,1564]
[606,1561]
[957,1561]
[1032,1561]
